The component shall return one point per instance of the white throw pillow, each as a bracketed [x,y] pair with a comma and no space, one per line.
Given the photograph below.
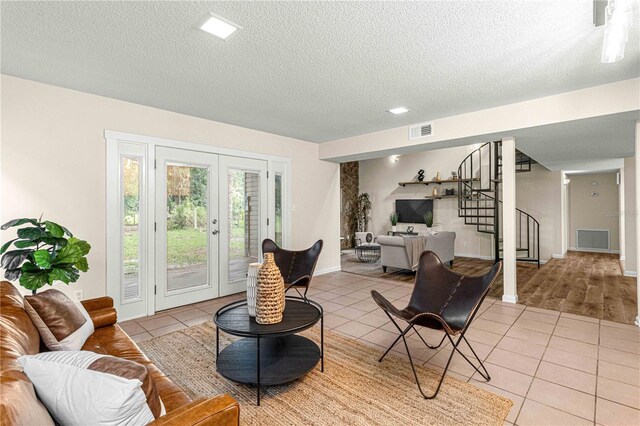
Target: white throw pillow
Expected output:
[75,395]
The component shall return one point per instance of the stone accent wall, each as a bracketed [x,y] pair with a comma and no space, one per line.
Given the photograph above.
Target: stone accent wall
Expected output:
[349,187]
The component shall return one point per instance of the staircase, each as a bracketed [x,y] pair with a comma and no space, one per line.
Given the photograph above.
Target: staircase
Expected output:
[480,176]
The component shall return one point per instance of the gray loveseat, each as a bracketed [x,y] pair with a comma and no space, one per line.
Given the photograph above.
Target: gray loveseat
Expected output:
[393,252]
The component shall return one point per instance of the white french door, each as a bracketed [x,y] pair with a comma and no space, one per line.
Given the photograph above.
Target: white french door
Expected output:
[243,219]
[184,220]
[187,249]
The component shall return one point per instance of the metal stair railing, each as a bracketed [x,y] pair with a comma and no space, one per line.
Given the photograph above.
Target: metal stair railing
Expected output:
[479,203]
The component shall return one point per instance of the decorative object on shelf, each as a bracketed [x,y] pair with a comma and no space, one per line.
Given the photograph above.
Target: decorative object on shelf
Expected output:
[435,191]
[437,176]
[454,175]
[43,254]
[420,175]
[450,191]
[269,292]
[252,282]
[393,218]
[409,229]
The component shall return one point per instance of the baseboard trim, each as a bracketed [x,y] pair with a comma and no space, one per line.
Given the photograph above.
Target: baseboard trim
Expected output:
[630,273]
[637,321]
[558,255]
[327,270]
[595,251]
[510,299]
[473,256]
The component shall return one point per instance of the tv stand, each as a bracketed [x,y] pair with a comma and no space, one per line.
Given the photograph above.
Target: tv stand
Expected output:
[401,233]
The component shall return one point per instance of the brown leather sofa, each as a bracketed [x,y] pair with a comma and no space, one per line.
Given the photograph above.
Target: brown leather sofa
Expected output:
[19,404]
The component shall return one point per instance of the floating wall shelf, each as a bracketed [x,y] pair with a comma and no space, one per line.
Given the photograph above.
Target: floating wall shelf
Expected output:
[438,182]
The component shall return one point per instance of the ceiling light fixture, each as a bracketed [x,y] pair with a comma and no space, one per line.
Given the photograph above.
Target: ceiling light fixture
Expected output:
[218,26]
[398,110]
[618,20]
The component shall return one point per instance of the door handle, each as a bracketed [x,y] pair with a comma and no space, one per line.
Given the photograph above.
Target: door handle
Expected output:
[215,232]
[214,221]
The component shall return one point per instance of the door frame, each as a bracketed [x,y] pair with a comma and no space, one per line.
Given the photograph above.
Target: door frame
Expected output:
[113,140]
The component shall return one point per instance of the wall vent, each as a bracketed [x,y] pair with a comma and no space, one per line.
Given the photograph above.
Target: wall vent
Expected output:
[593,239]
[418,131]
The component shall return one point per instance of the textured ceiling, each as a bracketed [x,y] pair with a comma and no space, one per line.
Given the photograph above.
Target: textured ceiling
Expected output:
[317,71]
[581,144]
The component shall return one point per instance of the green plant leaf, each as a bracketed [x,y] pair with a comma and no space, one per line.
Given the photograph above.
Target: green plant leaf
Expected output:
[25,243]
[54,229]
[67,274]
[72,252]
[53,241]
[58,274]
[6,245]
[34,280]
[42,258]
[14,258]
[66,231]
[18,222]
[12,274]
[82,264]
[30,267]
[31,233]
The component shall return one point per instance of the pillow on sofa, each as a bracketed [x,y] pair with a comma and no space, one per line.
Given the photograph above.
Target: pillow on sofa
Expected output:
[63,324]
[82,387]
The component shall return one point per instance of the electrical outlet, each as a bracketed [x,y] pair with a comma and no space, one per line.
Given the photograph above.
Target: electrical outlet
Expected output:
[79,294]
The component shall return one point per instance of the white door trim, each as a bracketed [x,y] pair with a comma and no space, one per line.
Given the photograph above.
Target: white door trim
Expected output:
[112,139]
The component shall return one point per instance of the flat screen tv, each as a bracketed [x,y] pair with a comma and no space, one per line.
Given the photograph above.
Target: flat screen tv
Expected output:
[413,211]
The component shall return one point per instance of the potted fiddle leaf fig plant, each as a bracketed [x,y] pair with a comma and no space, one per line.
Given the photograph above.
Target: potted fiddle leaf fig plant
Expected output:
[44,252]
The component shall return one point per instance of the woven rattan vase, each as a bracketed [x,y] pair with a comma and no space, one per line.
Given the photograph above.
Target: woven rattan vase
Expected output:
[269,292]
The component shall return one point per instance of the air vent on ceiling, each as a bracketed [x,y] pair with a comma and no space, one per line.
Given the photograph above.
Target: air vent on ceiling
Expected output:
[420,131]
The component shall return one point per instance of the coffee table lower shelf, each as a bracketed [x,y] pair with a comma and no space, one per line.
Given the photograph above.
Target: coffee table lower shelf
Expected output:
[282,359]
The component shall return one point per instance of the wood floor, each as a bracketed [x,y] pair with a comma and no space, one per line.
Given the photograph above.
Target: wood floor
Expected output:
[589,284]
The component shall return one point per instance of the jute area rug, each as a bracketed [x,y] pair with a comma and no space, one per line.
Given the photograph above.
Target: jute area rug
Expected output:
[355,389]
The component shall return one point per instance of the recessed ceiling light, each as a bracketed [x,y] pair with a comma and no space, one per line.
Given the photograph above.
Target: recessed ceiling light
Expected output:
[218,26]
[398,110]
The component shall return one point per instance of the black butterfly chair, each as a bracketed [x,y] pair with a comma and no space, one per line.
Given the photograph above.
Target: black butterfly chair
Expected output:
[296,267]
[441,300]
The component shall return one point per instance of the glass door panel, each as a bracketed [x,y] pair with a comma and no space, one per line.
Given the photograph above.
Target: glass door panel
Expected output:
[186,231]
[244,222]
[131,188]
[243,219]
[187,226]
[278,209]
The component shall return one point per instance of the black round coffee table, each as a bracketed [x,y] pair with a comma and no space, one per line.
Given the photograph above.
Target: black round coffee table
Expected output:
[270,354]
[368,253]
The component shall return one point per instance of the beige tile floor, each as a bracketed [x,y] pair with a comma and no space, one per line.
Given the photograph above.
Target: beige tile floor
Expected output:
[557,368]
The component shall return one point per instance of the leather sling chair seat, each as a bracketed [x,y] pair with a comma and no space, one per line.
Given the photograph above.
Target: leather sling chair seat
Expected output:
[441,300]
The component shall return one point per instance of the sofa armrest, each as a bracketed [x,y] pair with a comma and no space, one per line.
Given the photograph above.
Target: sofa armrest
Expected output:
[101,311]
[218,410]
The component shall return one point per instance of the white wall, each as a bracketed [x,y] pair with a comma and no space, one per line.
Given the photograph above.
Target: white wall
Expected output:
[629,215]
[53,162]
[589,212]
[537,192]
[380,179]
